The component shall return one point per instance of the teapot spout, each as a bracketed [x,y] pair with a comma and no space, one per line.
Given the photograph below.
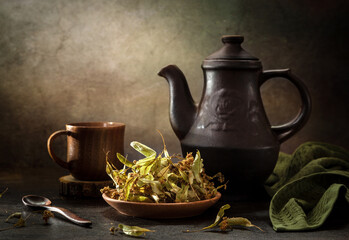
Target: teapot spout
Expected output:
[182,107]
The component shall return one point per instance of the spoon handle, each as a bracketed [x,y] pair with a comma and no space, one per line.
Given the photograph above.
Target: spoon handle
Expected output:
[70,216]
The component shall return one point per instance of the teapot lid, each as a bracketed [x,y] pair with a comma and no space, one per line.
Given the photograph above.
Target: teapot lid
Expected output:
[231,55]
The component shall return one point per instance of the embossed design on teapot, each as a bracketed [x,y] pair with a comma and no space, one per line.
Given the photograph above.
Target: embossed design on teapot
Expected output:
[222,105]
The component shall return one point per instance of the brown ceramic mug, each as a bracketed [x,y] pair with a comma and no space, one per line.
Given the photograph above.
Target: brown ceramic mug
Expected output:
[88,143]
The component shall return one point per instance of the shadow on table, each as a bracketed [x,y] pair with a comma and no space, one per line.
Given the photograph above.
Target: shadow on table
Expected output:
[255,211]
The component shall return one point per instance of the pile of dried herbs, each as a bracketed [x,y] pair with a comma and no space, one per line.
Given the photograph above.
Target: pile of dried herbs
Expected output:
[156,178]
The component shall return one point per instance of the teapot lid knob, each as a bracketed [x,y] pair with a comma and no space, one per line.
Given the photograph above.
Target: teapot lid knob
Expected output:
[231,55]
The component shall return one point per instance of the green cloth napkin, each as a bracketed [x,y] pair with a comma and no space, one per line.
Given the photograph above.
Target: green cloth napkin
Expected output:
[306,185]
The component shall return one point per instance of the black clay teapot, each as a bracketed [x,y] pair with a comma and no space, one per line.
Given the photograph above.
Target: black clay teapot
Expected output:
[229,125]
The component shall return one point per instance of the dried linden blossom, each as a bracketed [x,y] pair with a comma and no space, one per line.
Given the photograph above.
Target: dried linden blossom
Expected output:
[134,231]
[47,214]
[226,223]
[236,221]
[21,222]
[156,178]
[14,215]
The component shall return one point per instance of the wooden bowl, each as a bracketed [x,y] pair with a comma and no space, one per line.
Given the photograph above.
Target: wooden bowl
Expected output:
[161,210]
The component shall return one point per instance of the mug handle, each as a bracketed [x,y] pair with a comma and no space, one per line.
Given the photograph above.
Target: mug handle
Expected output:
[59,161]
[287,130]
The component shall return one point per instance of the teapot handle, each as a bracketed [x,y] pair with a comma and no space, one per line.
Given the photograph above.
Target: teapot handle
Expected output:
[287,130]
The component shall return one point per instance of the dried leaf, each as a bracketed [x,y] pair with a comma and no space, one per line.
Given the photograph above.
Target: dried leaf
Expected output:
[1,194]
[164,172]
[146,165]
[155,197]
[173,177]
[200,189]
[143,149]
[139,198]
[174,188]
[218,217]
[113,173]
[155,185]
[182,194]
[124,161]
[190,177]
[236,221]
[197,167]
[133,230]
[14,215]
[128,186]
[183,175]
[165,149]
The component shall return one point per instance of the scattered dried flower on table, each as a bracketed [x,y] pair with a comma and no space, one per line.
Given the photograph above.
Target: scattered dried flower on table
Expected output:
[134,231]
[20,222]
[226,223]
[14,215]
[236,221]
[218,217]
[47,214]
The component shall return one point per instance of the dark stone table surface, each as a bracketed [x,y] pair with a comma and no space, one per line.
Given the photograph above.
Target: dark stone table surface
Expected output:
[45,182]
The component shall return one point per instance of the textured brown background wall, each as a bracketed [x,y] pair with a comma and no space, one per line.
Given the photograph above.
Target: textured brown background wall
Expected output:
[68,61]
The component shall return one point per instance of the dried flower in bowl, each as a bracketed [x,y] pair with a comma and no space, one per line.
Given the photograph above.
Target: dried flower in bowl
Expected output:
[156,178]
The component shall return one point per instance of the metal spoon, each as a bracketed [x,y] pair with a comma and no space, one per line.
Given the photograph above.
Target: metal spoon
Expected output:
[42,202]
